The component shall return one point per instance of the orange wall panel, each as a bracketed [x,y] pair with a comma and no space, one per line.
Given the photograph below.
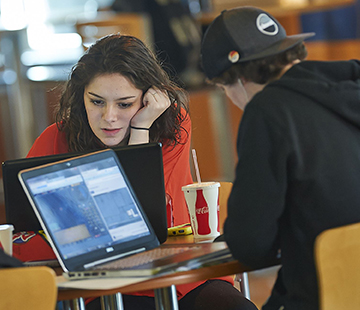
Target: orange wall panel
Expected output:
[203,135]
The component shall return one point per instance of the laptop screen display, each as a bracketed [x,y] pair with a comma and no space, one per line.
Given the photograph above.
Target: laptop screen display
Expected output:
[87,207]
[151,195]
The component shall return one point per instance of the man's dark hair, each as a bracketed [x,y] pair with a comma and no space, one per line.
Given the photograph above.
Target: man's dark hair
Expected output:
[263,70]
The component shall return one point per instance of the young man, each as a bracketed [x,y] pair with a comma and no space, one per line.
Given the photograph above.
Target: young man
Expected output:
[298,147]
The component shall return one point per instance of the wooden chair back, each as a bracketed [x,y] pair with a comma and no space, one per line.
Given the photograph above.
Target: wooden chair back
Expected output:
[30,288]
[337,257]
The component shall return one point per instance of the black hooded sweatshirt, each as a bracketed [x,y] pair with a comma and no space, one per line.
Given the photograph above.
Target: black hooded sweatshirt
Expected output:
[298,174]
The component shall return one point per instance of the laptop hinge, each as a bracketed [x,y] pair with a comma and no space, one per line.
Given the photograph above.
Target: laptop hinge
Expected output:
[105,260]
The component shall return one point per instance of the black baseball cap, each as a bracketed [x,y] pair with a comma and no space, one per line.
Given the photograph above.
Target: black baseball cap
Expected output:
[242,34]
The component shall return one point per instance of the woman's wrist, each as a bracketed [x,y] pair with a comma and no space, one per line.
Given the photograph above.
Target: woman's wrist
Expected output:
[139,128]
[139,135]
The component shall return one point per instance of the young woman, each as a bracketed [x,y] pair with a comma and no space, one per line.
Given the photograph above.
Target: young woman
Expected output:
[118,94]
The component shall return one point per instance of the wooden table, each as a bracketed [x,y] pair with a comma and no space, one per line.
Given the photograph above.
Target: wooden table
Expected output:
[163,286]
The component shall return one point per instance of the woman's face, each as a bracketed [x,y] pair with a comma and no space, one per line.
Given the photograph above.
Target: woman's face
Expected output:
[111,101]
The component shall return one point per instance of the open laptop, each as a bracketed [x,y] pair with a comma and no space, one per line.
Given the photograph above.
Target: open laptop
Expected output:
[93,218]
[142,164]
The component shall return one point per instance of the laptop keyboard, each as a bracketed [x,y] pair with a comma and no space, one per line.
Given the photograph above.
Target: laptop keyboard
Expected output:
[144,258]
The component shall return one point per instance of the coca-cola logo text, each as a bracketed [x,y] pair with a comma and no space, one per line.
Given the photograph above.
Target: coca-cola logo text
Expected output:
[202,210]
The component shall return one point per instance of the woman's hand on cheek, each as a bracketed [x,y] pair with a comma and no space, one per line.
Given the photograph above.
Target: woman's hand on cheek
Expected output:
[155,103]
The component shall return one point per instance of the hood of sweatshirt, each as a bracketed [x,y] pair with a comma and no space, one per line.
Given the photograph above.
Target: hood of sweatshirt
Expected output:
[335,85]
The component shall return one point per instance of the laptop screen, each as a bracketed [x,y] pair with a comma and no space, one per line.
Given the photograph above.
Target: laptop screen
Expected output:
[146,179]
[87,205]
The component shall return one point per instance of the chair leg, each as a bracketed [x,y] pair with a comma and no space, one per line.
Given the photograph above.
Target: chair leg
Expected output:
[112,302]
[243,280]
[166,298]
[74,304]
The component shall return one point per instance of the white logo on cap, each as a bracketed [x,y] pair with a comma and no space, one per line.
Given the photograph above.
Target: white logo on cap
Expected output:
[266,25]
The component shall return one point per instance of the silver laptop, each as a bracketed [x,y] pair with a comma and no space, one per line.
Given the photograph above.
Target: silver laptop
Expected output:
[94,221]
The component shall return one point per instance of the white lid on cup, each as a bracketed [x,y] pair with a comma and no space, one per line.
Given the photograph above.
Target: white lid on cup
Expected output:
[6,227]
[203,185]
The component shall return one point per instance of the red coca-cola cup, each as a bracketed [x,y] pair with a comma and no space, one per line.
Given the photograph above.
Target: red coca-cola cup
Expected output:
[202,200]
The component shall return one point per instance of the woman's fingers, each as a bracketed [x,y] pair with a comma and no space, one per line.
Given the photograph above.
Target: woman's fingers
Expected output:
[155,103]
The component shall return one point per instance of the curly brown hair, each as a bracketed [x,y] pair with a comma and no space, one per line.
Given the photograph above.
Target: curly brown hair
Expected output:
[263,70]
[131,58]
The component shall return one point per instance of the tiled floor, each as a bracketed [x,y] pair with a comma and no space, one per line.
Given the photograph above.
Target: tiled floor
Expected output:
[261,283]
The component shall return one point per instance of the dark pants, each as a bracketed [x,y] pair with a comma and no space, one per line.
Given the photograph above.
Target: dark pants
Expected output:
[211,295]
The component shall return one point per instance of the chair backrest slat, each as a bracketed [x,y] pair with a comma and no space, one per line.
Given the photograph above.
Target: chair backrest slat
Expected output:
[337,258]
[30,288]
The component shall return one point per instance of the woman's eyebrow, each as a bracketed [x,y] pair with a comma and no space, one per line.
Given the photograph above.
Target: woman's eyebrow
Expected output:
[122,98]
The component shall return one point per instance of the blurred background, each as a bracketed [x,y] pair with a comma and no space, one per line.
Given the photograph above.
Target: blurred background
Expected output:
[40,40]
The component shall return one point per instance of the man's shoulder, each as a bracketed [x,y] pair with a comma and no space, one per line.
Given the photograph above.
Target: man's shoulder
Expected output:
[277,95]
[269,99]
